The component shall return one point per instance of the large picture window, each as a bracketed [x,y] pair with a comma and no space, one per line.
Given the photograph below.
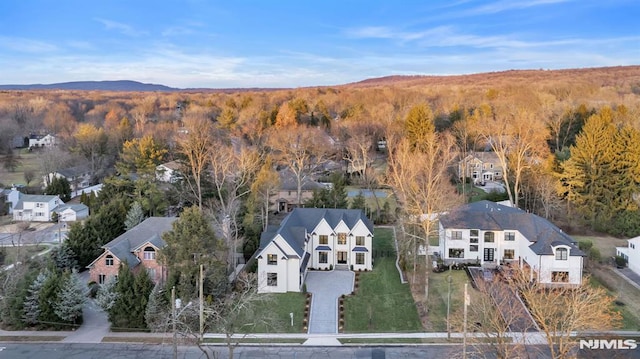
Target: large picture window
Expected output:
[342,238]
[359,258]
[560,277]
[509,254]
[272,279]
[323,257]
[149,253]
[272,259]
[489,237]
[456,253]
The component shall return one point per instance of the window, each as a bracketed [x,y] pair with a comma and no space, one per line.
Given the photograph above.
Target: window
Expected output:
[342,238]
[39,205]
[101,278]
[149,253]
[359,258]
[108,260]
[509,254]
[272,259]
[489,237]
[324,239]
[272,279]
[359,240]
[473,236]
[456,253]
[473,248]
[323,257]
[560,277]
[456,234]
[509,236]
[561,254]
[152,273]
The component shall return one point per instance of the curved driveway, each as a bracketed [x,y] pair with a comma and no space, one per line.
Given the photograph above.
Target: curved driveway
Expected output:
[326,288]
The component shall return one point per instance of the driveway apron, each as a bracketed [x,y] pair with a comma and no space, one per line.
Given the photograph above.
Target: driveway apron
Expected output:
[326,288]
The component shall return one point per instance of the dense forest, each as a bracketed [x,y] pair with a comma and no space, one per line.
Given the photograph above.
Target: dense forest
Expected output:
[568,138]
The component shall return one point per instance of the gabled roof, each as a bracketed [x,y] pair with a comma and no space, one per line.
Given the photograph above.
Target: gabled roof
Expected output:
[305,220]
[79,207]
[149,230]
[34,198]
[288,182]
[172,165]
[490,216]
[74,171]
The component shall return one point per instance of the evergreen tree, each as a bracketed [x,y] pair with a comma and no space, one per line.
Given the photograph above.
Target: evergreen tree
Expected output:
[63,258]
[59,186]
[156,314]
[142,286]
[71,299]
[32,300]
[359,202]
[588,174]
[107,294]
[419,126]
[47,301]
[125,299]
[337,195]
[135,216]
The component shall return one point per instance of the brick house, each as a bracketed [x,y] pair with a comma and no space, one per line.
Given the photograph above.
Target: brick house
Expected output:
[138,247]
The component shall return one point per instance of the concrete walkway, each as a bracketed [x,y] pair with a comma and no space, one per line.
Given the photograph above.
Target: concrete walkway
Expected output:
[326,288]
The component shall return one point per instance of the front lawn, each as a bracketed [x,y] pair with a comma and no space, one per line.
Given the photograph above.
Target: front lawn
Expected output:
[279,306]
[381,303]
[438,295]
[627,296]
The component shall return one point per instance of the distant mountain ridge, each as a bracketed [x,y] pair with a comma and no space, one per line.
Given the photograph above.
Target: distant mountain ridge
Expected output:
[118,85]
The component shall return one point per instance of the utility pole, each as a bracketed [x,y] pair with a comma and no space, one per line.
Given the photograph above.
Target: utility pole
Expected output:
[201,301]
[173,316]
[449,304]
[464,337]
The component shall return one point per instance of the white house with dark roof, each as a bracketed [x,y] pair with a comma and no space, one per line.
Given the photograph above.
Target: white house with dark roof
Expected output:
[137,247]
[36,141]
[72,212]
[35,208]
[313,238]
[169,172]
[79,177]
[493,234]
[631,253]
[285,199]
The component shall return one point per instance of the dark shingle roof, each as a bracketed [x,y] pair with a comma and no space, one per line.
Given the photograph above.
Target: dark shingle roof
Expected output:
[487,216]
[149,230]
[302,220]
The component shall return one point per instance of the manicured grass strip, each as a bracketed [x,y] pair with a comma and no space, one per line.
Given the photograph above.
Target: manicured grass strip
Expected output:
[258,340]
[630,320]
[381,302]
[134,339]
[438,292]
[409,340]
[279,307]
[35,338]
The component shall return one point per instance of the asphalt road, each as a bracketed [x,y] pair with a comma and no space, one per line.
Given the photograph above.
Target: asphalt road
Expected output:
[157,351]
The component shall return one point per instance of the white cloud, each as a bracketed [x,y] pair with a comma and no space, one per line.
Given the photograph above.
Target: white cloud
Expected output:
[120,27]
[21,44]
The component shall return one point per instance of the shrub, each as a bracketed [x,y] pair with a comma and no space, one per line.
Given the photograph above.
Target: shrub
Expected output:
[585,245]
[621,262]
[594,255]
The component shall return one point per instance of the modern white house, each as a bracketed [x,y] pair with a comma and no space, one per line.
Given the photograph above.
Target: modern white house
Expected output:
[313,238]
[72,212]
[35,208]
[492,234]
[631,253]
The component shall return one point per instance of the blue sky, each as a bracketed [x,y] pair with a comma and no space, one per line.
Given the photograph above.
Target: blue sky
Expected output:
[272,43]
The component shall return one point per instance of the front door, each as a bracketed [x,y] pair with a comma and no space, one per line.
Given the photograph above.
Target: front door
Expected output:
[342,257]
[488,254]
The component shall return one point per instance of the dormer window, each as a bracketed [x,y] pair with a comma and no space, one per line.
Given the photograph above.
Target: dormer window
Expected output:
[108,260]
[149,253]
[272,259]
[562,254]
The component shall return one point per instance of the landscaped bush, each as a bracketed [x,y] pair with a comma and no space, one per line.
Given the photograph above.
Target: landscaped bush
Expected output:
[621,262]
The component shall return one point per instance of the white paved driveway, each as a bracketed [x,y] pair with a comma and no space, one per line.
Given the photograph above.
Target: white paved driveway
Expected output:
[326,288]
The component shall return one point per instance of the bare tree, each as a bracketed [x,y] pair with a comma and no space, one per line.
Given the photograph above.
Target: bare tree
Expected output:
[303,150]
[196,145]
[421,182]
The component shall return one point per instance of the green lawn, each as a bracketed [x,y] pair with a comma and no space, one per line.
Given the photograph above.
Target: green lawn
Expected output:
[438,293]
[9,254]
[381,302]
[625,294]
[28,161]
[280,306]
